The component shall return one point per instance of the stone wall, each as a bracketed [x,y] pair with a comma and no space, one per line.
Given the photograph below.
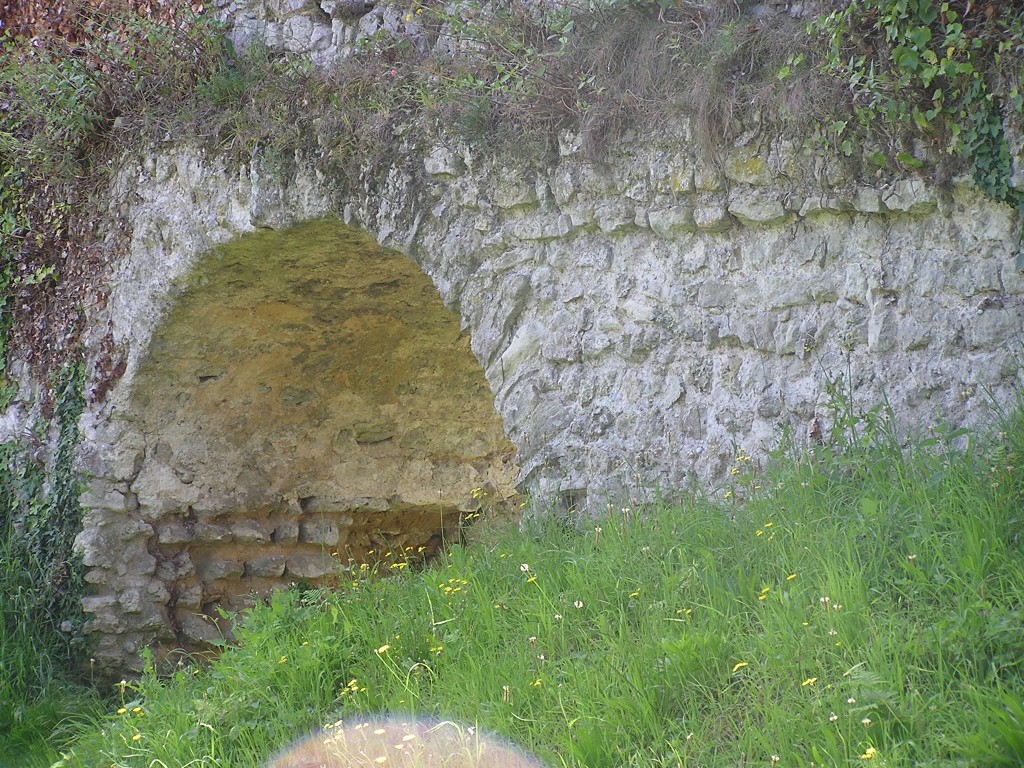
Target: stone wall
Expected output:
[638,320]
[633,321]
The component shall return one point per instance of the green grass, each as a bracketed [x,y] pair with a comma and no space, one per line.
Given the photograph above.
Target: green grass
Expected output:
[37,696]
[864,604]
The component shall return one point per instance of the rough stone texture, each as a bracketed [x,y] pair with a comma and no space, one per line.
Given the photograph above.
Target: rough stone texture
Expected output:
[636,320]
[305,404]
[634,323]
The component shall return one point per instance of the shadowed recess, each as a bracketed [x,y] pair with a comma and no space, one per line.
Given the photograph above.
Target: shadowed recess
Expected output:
[308,405]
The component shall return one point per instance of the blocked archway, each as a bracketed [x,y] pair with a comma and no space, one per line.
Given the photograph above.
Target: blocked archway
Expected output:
[308,405]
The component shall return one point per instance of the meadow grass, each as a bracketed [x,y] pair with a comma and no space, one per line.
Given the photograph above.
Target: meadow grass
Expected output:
[37,696]
[863,604]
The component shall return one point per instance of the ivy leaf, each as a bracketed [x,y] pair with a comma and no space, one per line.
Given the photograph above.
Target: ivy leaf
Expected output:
[906,58]
[920,37]
[909,160]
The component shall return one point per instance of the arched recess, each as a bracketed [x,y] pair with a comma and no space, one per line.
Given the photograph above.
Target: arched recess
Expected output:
[308,405]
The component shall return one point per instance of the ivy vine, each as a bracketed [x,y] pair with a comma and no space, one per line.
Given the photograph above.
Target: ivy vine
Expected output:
[951,70]
[41,577]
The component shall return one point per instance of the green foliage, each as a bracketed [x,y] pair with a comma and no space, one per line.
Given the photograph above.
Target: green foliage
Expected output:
[862,605]
[41,580]
[65,107]
[950,70]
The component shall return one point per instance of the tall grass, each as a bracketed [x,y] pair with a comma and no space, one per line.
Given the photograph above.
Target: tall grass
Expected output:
[36,695]
[864,604]
[41,584]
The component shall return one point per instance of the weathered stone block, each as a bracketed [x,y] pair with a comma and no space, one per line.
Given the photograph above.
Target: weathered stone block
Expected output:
[215,569]
[324,532]
[707,178]
[615,217]
[716,295]
[104,537]
[758,209]
[190,596]
[441,161]
[668,221]
[309,566]
[818,204]
[131,600]
[209,533]
[512,192]
[868,200]
[712,218]
[250,532]
[912,195]
[883,327]
[101,496]
[541,227]
[199,628]
[173,533]
[745,166]
[268,566]
[993,327]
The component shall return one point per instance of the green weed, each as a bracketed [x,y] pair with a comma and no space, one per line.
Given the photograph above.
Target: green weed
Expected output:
[41,586]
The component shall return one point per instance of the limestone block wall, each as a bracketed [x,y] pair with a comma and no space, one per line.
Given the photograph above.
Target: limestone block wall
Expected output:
[637,319]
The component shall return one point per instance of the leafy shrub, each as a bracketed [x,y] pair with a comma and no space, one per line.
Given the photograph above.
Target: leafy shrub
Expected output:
[950,69]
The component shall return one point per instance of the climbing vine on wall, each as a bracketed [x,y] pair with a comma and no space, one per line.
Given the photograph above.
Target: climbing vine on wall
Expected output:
[41,579]
[951,70]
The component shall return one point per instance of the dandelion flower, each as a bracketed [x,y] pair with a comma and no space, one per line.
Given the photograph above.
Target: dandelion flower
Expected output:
[740,665]
[791,577]
[809,681]
[383,649]
[851,701]
[866,722]
[869,754]
[832,717]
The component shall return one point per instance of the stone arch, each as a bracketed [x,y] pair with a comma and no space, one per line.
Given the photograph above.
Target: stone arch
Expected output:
[307,405]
